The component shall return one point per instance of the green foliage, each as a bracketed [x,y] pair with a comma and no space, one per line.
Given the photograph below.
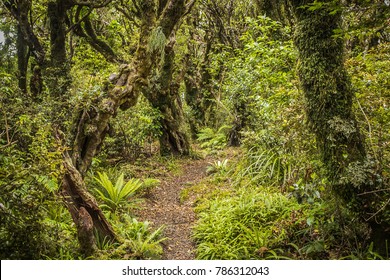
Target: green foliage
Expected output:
[141,241]
[265,166]
[34,224]
[157,42]
[135,132]
[146,244]
[255,222]
[218,167]
[259,77]
[245,225]
[116,196]
[309,192]
[213,140]
[150,183]
[370,75]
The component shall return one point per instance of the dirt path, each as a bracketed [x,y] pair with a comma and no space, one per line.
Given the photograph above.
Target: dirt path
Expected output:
[163,207]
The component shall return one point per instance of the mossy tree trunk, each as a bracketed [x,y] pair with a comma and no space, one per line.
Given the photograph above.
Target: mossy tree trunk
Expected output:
[163,94]
[197,78]
[23,57]
[58,76]
[91,127]
[17,10]
[329,99]
[26,41]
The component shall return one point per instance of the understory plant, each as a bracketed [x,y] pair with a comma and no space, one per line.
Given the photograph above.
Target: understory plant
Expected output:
[34,222]
[212,139]
[115,196]
[256,222]
[218,166]
[140,239]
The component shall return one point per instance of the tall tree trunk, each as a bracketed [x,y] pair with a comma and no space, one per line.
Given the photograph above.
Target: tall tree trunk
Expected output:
[329,98]
[164,95]
[58,75]
[19,10]
[197,78]
[22,53]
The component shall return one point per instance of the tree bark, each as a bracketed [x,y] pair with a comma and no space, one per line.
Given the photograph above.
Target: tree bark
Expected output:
[83,208]
[164,95]
[85,233]
[88,32]
[26,41]
[56,12]
[58,76]
[22,53]
[16,8]
[329,99]
[91,128]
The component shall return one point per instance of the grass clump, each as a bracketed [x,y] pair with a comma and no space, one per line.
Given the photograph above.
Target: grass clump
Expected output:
[246,225]
[256,222]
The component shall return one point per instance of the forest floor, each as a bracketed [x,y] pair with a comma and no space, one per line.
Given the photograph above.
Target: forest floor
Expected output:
[163,206]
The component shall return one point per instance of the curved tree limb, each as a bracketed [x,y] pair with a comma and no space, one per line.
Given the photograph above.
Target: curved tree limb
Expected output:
[91,4]
[26,29]
[99,44]
[88,32]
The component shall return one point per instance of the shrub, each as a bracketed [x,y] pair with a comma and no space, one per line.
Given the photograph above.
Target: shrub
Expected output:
[213,139]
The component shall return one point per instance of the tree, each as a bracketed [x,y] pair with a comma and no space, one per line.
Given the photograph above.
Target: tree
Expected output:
[157,21]
[329,97]
[214,27]
[92,124]
[163,94]
[26,37]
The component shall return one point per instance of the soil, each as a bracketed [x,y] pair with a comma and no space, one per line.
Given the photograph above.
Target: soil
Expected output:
[163,207]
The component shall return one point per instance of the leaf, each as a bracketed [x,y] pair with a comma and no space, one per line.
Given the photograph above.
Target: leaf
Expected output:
[310,221]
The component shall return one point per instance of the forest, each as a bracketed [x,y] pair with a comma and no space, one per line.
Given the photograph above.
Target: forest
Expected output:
[195,129]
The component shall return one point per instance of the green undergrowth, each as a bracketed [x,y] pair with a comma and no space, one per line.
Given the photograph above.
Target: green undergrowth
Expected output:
[120,190]
[251,221]
[138,241]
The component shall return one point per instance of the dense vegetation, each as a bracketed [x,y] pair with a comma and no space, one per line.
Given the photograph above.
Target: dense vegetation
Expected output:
[289,98]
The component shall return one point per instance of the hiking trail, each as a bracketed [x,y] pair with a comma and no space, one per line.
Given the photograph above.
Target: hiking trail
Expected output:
[163,207]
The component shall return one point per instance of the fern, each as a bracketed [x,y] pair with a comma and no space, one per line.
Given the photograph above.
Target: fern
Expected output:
[218,167]
[115,196]
[211,139]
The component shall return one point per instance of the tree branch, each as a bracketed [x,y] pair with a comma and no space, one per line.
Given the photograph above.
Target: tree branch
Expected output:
[171,15]
[91,4]
[27,31]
